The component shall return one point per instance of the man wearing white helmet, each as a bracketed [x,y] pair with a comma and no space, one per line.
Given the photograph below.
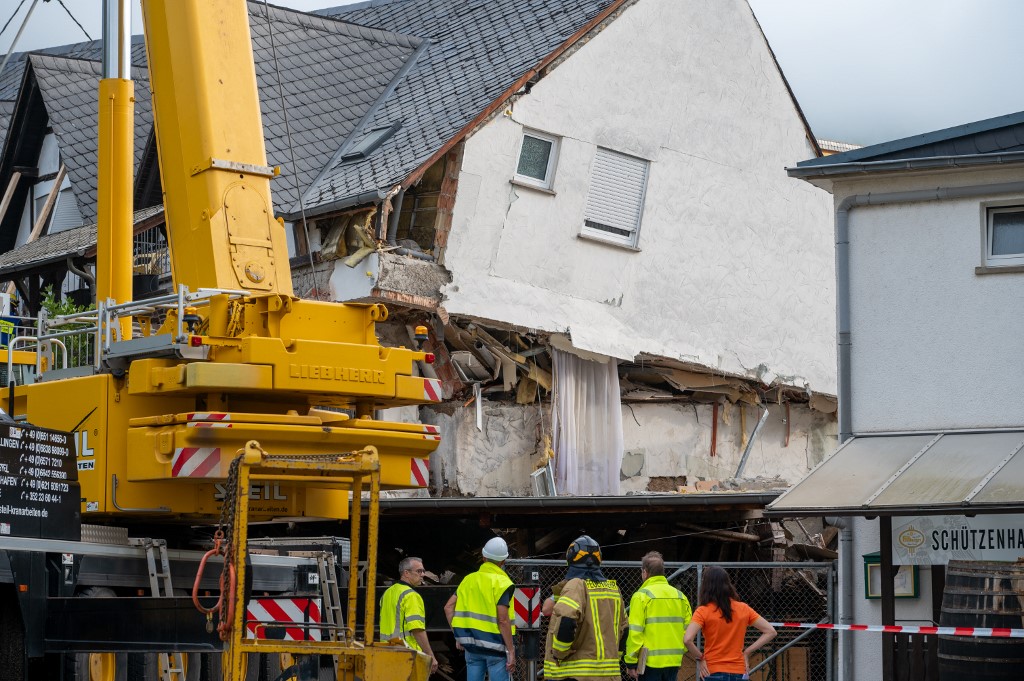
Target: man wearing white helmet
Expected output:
[481,623]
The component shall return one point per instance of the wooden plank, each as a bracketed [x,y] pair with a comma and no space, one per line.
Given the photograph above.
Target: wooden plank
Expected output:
[9,194]
[932,657]
[44,214]
[917,661]
[888,594]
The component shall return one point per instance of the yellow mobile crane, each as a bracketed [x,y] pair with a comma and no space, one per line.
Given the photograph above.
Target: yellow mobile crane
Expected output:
[230,400]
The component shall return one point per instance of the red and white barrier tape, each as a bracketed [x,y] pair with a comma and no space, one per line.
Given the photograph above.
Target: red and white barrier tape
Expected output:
[977,632]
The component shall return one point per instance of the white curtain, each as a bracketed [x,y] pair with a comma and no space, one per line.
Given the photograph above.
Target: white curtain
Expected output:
[586,417]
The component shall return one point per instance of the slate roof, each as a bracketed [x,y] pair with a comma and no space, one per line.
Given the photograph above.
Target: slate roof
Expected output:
[6,110]
[58,246]
[333,73]
[69,89]
[428,66]
[10,78]
[994,136]
[478,49]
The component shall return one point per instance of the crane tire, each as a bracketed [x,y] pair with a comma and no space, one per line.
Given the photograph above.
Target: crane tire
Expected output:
[146,667]
[213,667]
[99,666]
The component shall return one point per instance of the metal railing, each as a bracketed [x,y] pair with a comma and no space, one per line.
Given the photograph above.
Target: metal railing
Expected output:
[86,338]
[778,591]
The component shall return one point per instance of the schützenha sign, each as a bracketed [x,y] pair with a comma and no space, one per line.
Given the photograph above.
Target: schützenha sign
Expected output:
[938,539]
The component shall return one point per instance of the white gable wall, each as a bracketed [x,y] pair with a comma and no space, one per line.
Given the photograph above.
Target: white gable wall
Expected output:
[735,262]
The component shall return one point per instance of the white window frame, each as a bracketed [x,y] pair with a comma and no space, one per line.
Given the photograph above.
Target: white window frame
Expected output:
[633,240]
[988,211]
[549,175]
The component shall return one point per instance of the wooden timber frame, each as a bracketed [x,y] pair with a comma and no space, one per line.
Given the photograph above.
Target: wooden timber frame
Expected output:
[365,658]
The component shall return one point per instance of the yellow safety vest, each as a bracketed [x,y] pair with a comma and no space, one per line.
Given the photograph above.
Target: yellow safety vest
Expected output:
[658,615]
[476,610]
[401,613]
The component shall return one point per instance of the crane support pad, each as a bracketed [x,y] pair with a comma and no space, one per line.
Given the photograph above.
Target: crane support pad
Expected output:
[39,492]
[125,625]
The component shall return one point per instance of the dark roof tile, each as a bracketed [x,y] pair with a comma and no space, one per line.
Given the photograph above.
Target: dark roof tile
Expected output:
[478,49]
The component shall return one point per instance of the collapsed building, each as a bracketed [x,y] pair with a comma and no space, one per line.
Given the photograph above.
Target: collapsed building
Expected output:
[624,294]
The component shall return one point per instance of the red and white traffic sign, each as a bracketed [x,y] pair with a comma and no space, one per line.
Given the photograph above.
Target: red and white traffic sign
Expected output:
[527,607]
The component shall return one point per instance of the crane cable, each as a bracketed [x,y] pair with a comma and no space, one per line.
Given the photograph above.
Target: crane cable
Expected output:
[20,31]
[11,18]
[291,150]
[74,19]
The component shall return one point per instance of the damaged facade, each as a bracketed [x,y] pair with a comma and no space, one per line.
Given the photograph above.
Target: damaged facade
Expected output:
[623,291]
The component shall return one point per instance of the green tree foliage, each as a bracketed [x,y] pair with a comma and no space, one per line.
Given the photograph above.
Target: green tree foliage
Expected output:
[81,347]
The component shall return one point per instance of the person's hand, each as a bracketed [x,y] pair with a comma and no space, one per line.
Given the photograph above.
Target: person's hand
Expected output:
[510,661]
[702,668]
[458,646]
[746,663]
[632,673]
[433,664]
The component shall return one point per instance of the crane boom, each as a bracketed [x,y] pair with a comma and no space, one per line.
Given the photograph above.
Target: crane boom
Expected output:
[213,162]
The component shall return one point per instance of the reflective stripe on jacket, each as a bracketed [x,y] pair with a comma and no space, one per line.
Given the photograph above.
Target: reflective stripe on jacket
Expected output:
[476,609]
[401,613]
[600,618]
[658,615]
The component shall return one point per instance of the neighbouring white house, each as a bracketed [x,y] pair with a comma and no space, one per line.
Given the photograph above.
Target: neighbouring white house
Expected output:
[585,201]
[930,478]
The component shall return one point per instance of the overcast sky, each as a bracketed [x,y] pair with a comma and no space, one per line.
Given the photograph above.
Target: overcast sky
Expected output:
[864,71]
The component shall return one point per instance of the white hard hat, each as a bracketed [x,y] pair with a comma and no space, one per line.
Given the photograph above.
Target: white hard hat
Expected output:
[495,549]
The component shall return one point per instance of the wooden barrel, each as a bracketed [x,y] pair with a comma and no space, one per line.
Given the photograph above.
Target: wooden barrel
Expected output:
[982,594]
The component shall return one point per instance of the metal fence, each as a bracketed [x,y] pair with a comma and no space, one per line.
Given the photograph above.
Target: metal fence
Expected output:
[779,592]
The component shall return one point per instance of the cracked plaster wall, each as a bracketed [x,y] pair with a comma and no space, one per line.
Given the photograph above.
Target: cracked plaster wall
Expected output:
[496,461]
[671,440]
[735,263]
[668,440]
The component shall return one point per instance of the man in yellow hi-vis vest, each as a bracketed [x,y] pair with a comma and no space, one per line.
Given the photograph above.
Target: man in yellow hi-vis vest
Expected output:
[588,620]
[478,613]
[658,615]
[402,615]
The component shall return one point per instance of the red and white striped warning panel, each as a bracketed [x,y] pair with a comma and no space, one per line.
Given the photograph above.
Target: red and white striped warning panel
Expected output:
[527,607]
[976,632]
[208,416]
[263,618]
[420,472]
[432,389]
[196,462]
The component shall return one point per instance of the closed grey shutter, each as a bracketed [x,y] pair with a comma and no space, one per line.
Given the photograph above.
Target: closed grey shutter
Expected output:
[65,213]
[615,201]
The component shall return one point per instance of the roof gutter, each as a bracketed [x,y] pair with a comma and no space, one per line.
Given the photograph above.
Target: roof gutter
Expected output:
[599,503]
[494,106]
[372,196]
[889,165]
[843,210]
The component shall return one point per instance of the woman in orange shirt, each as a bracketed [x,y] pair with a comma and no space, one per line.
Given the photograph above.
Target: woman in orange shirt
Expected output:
[724,619]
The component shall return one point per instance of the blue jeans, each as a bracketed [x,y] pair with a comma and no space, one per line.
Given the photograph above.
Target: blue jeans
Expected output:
[725,676]
[477,664]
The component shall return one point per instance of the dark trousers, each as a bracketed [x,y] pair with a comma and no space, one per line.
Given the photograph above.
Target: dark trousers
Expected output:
[659,674]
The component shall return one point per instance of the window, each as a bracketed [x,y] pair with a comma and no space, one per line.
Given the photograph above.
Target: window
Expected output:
[537,160]
[615,202]
[369,143]
[1004,236]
